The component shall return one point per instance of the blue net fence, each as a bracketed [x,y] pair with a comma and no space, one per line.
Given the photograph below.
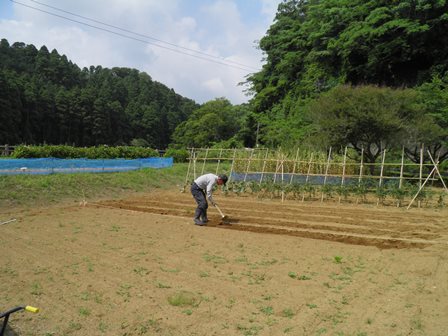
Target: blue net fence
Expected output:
[51,165]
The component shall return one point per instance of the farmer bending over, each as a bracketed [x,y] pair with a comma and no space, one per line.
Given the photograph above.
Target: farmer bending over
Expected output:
[199,188]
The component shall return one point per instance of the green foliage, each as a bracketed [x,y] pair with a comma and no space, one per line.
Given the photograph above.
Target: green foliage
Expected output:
[45,98]
[69,152]
[214,122]
[178,155]
[314,46]
[369,119]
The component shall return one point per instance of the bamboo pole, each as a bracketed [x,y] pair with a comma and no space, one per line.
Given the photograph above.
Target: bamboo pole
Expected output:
[194,166]
[205,160]
[295,163]
[248,165]
[264,165]
[276,169]
[188,170]
[308,174]
[421,169]
[437,170]
[343,171]
[219,161]
[283,192]
[361,167]
[400,183]
[380,183]
[401,169]
[421,187]
[233,164]
[326,173]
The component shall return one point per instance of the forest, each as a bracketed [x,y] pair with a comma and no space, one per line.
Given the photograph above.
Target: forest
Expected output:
[371,75]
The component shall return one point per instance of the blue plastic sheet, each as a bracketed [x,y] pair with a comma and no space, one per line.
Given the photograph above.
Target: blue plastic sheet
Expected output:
[53,165]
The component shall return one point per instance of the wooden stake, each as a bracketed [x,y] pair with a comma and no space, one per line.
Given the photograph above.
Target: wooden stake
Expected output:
[308,174]
[219,161]
[326,173]
[421,169]
[343,171]
[381,174]
[188,170]
[248,165]
[437,170]
[294,167]
[361,167]
[264,165]
[401,174]
[205,159]
[421,187]
[233,164]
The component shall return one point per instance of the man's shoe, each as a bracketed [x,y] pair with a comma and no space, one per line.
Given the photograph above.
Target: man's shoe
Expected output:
[199,222]
[205,219]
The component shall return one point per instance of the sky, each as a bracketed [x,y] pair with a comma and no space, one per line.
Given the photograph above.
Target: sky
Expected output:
[203,49]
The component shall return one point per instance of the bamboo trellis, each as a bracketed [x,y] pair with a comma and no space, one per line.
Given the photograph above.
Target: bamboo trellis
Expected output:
[258,164]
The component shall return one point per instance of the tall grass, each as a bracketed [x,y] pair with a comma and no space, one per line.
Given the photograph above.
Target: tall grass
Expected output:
[18,190]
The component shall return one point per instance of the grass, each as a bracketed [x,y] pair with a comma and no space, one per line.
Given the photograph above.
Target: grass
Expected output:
[23,190]
[184,299]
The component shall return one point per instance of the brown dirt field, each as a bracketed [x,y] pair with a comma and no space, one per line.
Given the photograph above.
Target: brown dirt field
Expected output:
[120,267]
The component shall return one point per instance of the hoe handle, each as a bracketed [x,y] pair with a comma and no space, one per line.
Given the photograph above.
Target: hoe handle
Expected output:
[220,212]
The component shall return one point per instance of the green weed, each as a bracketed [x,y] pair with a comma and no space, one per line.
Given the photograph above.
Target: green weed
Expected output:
[184,298]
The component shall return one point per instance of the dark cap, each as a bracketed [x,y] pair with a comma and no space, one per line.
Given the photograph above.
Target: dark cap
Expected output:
[224,178]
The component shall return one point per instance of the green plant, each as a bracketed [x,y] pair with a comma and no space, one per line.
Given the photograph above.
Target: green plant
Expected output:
[184,298]
[337,259]
[84,311]
[178,155]
[292,275]
[288,312]
[304,277]
[267,310]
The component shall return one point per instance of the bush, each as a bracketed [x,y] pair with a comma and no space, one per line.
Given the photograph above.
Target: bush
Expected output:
[69,152]
[178,155]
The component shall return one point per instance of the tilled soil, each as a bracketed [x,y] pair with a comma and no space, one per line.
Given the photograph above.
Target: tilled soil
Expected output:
[374,226]
[139,266]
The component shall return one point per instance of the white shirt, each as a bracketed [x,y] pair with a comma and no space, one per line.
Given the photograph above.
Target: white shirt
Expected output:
[207,182]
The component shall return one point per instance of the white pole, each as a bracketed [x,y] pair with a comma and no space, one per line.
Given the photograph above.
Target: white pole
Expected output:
[205,159]
[219,160]
[248,164]
[264,165]
[343,171]
[233,163]
[188,170]
[326,173]
[421,169]
[437,170]
[401,169]
[421,187]
[294,167]
[308,174]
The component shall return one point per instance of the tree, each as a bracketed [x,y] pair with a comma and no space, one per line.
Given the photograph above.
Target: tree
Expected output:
[368,119]
[45,98]
[213,122]
[315,45]
[431,129]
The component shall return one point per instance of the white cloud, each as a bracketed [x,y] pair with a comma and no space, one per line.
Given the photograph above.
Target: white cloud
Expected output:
[215,28]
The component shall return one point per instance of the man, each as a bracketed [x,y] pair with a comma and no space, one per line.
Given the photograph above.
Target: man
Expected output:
[202,189]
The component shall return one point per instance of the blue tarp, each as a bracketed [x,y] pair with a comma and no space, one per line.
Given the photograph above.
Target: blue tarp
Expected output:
[52,165]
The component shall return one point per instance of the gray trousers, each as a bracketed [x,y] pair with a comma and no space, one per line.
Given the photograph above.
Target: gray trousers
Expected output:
[201,200]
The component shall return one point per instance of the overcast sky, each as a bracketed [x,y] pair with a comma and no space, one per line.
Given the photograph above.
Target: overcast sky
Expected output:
[160,37]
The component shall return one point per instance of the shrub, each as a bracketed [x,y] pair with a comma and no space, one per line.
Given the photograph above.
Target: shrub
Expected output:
[178,155]
[69,152]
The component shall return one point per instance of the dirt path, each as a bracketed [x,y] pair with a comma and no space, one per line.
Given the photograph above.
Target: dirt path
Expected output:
[139,266]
